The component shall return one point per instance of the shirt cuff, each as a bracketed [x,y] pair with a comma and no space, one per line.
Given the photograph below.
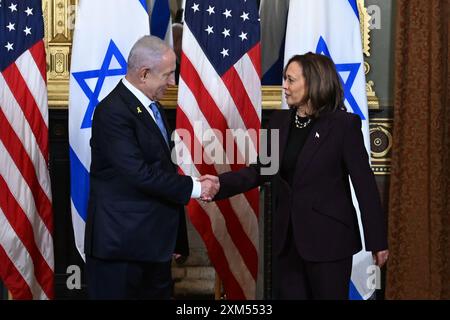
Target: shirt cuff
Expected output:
[196,188]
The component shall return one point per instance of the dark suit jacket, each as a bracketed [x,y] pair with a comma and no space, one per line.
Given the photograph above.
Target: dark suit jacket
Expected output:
[136,204]
[319,204]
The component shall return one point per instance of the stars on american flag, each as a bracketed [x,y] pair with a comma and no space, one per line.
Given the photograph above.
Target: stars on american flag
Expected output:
[29,11]
[9,46]
[224,52]
[10,26]
[227,13]
[226,32]
[244,16]
[232,29]
[27,31]
[210,10]
[16,30]
[195,7]
[243,36]
[209,29]
[13,7]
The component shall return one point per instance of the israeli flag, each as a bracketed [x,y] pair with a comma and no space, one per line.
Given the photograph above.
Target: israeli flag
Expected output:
[331,27]
[104,34]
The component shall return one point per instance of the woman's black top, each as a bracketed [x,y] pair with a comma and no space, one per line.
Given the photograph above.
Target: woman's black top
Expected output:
[295,142]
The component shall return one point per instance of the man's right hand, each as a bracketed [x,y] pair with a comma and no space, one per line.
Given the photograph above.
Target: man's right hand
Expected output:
[210,187]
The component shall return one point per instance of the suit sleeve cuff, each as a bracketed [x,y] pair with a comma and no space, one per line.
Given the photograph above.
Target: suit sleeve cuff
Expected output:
[196,188]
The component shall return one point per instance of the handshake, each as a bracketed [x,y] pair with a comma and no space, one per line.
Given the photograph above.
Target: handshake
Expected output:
[210,187]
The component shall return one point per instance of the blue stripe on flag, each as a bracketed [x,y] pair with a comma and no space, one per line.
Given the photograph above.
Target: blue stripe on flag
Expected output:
[274,76]
[160,18]
[353,292]
[354,7]
[144,4]
[79,185]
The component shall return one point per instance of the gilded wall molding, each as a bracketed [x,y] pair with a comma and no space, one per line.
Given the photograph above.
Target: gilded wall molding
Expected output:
[381,145]
[271,97]
[373,101]
[59,21]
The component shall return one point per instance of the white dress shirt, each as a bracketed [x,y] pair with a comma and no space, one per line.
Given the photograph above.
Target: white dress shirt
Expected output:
[196,186]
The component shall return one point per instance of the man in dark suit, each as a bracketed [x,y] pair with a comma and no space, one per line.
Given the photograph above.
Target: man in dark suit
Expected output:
[136,218]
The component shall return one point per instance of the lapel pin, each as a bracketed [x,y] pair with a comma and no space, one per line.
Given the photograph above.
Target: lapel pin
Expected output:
[317,135]
[139,110]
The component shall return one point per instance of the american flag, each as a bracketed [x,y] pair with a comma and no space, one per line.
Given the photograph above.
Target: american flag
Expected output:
[26,244]
[220,88]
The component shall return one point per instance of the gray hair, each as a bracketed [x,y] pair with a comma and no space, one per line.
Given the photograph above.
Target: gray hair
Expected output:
[146,52]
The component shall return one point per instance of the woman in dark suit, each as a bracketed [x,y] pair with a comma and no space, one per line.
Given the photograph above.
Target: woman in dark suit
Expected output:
[315,226]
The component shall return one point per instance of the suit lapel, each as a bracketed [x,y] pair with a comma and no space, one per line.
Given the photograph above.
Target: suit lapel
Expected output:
[284,127]
[315,139]
[143,115]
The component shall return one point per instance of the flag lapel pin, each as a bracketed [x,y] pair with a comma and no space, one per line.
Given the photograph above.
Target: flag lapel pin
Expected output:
[139,110]
[317,135]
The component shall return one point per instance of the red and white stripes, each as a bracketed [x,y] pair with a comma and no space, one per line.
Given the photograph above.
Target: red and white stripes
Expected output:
[26,244]
[206,101]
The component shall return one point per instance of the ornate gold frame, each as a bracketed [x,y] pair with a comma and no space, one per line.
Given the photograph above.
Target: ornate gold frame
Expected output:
[381,141]
[59,17]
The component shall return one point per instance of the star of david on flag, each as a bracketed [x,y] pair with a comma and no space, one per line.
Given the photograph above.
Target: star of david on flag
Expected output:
[100,74]
[342,68]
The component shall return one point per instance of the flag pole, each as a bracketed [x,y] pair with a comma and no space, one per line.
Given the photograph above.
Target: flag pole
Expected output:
[217,288]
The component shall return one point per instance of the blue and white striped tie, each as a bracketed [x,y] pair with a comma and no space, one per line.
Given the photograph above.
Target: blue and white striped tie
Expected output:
[159,121]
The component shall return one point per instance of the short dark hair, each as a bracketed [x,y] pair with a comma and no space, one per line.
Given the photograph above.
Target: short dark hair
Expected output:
[323,85]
